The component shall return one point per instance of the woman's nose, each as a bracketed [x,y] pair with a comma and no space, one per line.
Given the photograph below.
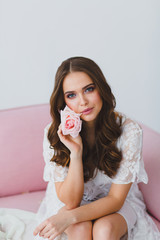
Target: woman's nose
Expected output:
[83,100]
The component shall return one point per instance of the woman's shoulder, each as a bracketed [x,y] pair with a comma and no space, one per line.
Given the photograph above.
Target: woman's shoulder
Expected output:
[130,143]
[128,123]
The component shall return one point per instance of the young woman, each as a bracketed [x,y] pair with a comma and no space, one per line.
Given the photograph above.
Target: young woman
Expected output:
[92,191]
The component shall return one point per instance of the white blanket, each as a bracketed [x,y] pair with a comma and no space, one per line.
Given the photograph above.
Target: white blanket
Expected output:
[16,224]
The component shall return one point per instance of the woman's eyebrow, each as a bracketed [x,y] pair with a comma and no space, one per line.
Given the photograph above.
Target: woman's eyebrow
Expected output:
[91,84]
[69,92]
[88,86]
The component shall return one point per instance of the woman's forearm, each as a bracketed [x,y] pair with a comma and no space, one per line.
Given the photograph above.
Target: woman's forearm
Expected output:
[71,191]
[96,209]
[104,206]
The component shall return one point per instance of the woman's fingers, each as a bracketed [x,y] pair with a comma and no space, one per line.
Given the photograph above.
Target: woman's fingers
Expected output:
[49,230]
[39,228]
[43,228]
[51,234]
[45,231]
[59,132]
[54,226]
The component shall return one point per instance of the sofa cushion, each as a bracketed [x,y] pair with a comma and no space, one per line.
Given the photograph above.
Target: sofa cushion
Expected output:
[151,156]
[26,201]
[21,149]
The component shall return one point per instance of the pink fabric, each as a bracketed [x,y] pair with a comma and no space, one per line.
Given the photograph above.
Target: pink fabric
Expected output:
[151,156]
[21,159]
[26,201]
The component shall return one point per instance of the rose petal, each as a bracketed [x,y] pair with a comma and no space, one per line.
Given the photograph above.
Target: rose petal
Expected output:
[71,123]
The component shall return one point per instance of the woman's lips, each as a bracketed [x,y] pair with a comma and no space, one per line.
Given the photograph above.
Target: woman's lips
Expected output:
[87,111]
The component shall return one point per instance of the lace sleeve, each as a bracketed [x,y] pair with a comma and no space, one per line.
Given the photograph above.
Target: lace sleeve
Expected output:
[52,171]
[132,166]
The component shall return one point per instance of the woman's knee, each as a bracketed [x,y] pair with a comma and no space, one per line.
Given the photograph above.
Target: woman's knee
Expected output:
[80,230]
[103,230]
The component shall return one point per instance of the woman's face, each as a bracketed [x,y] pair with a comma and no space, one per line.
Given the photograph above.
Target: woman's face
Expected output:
[81,95]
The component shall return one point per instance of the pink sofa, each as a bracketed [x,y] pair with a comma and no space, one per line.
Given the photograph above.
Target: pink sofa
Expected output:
[21,160]
[21,156]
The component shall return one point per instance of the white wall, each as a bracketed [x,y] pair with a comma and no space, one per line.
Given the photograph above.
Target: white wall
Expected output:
[121,36]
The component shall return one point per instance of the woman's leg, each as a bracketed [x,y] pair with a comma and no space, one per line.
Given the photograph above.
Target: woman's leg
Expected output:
[80,231]
[111,227]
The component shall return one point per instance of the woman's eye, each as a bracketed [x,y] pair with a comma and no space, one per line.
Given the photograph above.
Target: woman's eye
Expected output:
[71,95]
[89,89]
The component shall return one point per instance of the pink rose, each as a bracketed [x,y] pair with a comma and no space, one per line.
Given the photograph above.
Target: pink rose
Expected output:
[71,123]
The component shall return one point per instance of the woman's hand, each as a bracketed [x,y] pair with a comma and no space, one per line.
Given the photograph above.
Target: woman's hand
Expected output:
[73,144]
[55,225]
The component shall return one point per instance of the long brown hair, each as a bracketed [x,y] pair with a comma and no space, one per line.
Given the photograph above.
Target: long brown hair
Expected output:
[105,154]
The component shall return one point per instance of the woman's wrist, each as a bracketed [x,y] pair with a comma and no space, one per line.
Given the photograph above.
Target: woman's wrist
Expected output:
[71,216]
[76,155]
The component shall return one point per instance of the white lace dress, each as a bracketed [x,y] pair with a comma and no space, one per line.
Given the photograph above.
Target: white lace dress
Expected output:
[140,224]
